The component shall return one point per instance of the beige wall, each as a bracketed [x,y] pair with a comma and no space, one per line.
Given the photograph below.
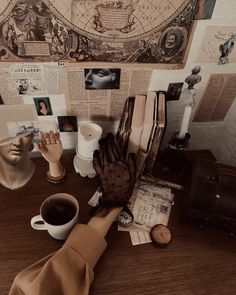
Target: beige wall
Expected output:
[217,136]
[220,137]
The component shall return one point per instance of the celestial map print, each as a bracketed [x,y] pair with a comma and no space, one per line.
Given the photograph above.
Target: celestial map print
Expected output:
[119,20]
[142,31]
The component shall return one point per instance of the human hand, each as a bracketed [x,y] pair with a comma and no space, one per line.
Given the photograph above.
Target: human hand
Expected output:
[50,146]
[116,175]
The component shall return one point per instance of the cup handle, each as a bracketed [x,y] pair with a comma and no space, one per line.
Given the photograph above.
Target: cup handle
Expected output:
[36,226]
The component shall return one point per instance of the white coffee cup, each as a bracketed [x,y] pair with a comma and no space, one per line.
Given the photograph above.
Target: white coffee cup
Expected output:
[58,215]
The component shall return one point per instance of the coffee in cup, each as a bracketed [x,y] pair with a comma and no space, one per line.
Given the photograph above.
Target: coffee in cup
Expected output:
[59,213]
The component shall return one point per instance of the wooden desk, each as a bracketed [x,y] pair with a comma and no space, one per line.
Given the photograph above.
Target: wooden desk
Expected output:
[195,263]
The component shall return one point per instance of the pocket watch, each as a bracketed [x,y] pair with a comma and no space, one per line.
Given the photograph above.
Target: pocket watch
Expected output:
[126,217]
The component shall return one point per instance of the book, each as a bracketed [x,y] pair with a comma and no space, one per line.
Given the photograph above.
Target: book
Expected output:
[157,133]
[149,125]
[142,127]
[137,124]
[124,129]
[149,120]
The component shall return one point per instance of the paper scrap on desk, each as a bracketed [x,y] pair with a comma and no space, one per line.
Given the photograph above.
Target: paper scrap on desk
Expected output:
[95,197]
[152,205]
[139,237]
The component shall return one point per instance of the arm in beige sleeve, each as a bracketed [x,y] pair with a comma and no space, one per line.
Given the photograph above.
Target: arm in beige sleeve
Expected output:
[102,223]
[70,270]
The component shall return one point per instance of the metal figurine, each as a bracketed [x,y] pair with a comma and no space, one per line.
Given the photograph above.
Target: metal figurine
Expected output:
[194,78]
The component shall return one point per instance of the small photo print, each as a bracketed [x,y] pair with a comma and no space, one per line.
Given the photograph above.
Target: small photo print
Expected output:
[96,79]
[43,106]
[205,9]
[19,128]
[67,123]
[22,86]
[174,91]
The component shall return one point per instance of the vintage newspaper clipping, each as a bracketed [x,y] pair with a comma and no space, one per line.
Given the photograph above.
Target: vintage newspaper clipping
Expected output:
[104,104]
[217,98]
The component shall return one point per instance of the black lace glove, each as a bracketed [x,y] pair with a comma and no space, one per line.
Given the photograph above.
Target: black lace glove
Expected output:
[117,176]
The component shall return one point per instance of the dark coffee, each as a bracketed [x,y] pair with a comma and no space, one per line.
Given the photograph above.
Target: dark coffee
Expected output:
[59,212]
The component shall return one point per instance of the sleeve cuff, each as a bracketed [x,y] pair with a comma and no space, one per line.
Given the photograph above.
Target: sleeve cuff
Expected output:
[86,241]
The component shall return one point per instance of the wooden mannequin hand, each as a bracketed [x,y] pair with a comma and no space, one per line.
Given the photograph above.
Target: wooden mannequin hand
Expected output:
[50,146]
[51,149]
[117,177]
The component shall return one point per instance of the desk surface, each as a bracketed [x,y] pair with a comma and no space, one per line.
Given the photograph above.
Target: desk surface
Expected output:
[196,262]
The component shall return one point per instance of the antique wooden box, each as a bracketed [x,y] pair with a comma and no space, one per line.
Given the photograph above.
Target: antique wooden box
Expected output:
[210,200]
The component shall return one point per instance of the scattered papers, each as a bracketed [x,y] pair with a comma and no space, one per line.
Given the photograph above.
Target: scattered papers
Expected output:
[150,205]
[139,237]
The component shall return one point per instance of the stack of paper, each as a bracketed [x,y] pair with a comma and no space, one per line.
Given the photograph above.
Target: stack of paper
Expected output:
[150,205]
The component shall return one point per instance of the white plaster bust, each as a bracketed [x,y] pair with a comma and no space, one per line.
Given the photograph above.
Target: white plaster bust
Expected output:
[16,168]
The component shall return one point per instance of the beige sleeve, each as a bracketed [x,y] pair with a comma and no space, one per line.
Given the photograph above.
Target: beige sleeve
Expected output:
[66,272]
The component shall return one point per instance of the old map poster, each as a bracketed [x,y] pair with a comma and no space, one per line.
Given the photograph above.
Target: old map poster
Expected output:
[124,31]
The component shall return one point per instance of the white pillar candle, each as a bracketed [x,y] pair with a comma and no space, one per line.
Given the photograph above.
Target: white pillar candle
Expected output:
[185,121]
[88,137]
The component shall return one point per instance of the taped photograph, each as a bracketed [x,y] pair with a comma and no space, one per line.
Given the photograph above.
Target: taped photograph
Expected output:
[22,127]
[174,91]
[43,106]
[67,123]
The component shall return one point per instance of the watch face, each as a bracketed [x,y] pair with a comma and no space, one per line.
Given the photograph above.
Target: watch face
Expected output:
[125,218]
[160,235]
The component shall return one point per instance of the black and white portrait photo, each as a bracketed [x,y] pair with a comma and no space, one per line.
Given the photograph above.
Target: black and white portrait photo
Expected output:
[43,106]
[172,42]
[174,91]
[102,79]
